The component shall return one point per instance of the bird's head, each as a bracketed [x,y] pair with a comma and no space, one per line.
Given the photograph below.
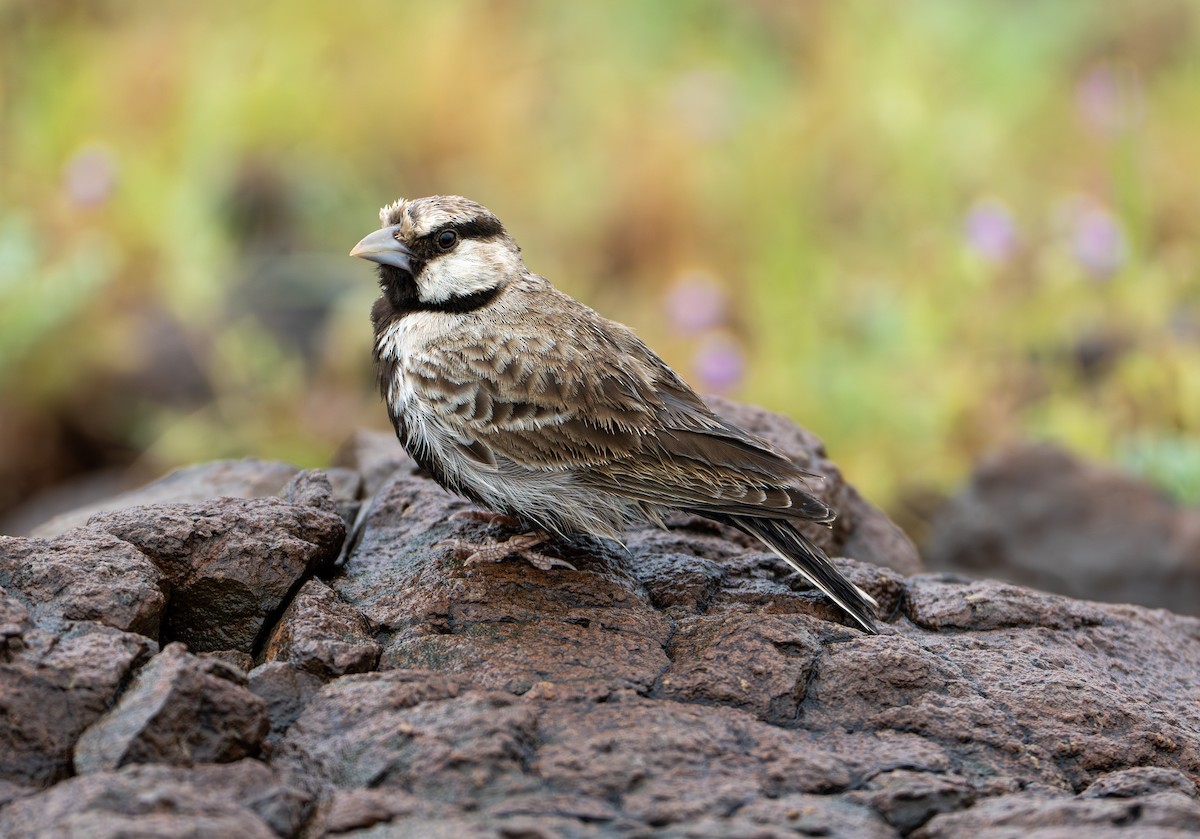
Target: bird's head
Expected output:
[440,253]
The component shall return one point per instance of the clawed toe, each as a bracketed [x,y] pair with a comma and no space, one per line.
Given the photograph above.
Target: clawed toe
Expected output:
[518,546]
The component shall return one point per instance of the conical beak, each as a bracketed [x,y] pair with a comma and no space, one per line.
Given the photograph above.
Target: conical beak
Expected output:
[383,247]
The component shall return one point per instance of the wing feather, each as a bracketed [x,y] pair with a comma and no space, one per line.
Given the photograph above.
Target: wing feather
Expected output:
[602,404]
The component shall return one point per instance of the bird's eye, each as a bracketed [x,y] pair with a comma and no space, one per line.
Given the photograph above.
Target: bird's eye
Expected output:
[447,239]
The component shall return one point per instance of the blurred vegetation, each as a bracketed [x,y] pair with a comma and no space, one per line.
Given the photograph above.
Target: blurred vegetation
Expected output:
[920,229]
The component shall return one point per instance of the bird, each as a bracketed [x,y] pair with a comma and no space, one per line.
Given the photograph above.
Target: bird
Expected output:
[513,394]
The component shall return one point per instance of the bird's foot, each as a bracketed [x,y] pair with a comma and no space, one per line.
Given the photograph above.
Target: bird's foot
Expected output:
[521,546]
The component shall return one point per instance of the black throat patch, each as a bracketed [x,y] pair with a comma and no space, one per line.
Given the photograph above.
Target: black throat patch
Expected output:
[400,298]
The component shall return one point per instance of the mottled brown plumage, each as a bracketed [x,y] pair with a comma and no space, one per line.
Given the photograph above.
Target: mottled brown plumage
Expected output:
[535,406]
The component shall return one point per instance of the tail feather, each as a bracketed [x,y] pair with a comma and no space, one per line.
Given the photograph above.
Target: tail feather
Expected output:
[811,563]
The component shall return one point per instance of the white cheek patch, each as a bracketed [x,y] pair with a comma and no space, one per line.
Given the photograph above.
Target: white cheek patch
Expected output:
[471,267]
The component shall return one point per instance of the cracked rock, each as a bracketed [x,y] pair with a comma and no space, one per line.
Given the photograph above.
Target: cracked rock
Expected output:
[181,709]
[322,634]
[229,563]
[53,684]
[84,575]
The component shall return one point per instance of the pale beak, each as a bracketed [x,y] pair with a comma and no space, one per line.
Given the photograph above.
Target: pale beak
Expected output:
[383,247]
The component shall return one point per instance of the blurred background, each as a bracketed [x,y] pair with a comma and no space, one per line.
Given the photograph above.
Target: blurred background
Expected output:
[923,230]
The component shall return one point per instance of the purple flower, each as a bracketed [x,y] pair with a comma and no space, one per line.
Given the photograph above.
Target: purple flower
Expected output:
[719,364]
[1107,102]
[1098,241]
[90,176]
[695,303]
[990,230]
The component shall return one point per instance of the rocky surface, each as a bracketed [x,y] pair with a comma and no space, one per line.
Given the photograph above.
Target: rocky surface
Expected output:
[1039,516]
[230,564]
[682,687]
[248,478]
[180,710]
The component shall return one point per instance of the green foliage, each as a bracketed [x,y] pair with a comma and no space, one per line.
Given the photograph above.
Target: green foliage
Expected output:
[937,226]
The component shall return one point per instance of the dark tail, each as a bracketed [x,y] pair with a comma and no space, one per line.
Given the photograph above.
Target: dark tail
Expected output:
[811,563]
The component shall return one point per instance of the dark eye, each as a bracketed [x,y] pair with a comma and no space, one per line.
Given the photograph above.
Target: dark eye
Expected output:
[446,240]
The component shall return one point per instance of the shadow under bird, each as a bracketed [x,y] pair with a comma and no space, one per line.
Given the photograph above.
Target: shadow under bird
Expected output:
[519,397]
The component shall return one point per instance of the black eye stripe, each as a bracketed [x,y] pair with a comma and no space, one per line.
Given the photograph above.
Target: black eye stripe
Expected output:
[483,228]
[426,247]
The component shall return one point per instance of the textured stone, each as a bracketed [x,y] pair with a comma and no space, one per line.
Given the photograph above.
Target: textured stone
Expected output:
[1165,815]
[908,799]
[181,709]
[84,575]
[1039,516]
[417,732]
[683,685]
[230,563]
[507,626]
[324,635]
[758,662]
[249,478]
[245,799]
[1140,780]
[53,684]
[286,689]
[810,815]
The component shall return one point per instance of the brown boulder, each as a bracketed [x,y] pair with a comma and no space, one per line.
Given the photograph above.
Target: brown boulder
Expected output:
[53,684]
[323,635]
[231,563]
[244,799]
[248,478]
[286,690]
[84,575]
[681,685]
[1165,815]
[1040,516]
[181,709]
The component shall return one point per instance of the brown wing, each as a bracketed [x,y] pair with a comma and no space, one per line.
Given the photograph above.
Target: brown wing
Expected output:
[602,404]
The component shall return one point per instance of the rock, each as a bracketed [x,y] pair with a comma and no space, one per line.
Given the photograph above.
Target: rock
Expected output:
[400,730]
[745,660]
[247,478]
[287,690]
[667,762]
[323,635]
[507,626]
[353,810]
[1157,816]
[1042,517]
[230,563]
[84,575]
[948,602]
[181,710]
[53,684]
[908,799]
[1140,780]
[375,456]
[334,490]
[243,799]
[811,815]
[681,686]
[678,582]
[242,661]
